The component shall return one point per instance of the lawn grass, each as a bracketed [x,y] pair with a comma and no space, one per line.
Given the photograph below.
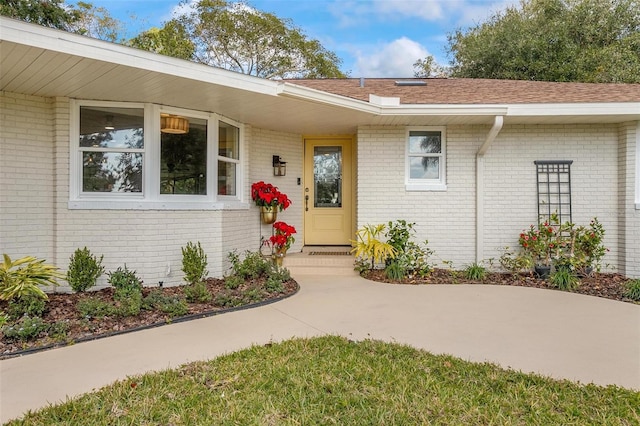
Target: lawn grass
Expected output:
[333,381]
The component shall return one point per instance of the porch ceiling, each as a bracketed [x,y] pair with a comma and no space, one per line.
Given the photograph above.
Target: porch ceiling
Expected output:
[44,62]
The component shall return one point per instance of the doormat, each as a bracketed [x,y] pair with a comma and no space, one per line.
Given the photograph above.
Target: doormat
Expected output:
[329,253]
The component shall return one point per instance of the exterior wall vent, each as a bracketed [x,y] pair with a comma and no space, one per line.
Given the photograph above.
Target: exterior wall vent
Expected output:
[411,83]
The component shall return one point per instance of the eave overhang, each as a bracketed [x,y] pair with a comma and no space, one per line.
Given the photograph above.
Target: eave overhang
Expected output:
[40,61]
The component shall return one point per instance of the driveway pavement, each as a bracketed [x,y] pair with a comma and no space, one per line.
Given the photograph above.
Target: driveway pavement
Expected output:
[563,335]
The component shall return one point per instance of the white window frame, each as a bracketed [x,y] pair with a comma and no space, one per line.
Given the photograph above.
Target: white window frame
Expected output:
[150,198]
[237,162]
[439,184]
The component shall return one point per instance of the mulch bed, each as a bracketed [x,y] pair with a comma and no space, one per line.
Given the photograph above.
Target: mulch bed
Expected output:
[609,286]
[62,307]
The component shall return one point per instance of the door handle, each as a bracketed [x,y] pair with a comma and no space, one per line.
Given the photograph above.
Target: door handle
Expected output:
[306,203]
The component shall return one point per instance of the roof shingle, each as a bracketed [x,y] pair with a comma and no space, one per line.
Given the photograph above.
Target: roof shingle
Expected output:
[476,91]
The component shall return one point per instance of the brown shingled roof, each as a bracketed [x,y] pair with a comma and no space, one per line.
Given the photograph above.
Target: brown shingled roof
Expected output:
[476,91]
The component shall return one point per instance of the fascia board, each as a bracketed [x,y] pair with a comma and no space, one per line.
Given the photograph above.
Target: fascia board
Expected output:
[64,42]
[574,109]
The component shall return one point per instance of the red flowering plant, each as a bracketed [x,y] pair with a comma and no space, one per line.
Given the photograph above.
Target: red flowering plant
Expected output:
[267,195]
[540,243]
[282,239]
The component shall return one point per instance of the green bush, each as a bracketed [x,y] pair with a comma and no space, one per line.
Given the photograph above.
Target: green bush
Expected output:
[128,303]
[33,306]
[194,263]
[197,293]
[278,272]
[4,319]
[475,272]
[273,285]
[174,306]
[394,270]
[227,299]
[232,282]
[564,279]
[27,328]
[84,270]
[632,289]
[252,295]
[252,266]
[125,281]
[92,307]
[25,276]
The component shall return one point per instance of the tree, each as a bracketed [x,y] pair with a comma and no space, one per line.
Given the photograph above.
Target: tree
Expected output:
[238,37]
[170,40]
[553,40]
[85,19]
[428,67]
[96,22]
[48,13]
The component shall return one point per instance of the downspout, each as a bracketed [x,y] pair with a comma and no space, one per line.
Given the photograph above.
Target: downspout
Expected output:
[498,121]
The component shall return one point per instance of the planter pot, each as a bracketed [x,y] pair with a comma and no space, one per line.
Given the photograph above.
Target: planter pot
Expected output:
[542,271]
[278,258]
[268,214]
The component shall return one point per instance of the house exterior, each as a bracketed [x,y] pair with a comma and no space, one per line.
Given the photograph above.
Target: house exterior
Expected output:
[93,152]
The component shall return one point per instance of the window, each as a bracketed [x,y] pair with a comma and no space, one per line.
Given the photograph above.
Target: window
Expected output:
[143,156]
[112,149]
[228,150]
[425,159]
[183,159]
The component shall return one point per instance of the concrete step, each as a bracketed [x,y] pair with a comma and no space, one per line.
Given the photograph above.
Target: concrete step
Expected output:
[321,261]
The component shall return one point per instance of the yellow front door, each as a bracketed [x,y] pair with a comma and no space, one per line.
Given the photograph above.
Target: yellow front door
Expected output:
[327,191]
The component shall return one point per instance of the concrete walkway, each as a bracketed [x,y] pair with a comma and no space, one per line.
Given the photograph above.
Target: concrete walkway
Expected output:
[562,335]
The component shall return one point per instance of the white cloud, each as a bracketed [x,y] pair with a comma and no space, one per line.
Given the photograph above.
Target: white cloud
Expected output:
[394,59]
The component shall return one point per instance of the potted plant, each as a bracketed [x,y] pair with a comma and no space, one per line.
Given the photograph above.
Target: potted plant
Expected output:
[281,240]
[540,244]
[269,199]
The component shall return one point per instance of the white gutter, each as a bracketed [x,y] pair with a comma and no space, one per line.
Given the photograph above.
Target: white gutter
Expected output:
[498,121]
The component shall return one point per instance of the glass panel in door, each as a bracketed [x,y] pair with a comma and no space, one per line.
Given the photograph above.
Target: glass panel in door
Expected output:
[327,176]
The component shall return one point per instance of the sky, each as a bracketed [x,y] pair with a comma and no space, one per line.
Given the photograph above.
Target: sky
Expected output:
[373,38]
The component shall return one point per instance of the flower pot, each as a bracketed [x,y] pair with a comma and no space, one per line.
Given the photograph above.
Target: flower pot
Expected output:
[278,258]
[542,271]
[268,214]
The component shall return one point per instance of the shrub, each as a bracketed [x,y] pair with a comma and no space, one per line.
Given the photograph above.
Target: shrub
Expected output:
[23,277]
[33,306]
[564,279]
[394,271]
[516,262]
[252,295]
[197,292]
[84,270]
[227,299]
[369,246]
[278,272]
[92,307]
[273,285]
[194,263]
[4,318]
[128,294]
[475,272]
[253,265]
[125,281]
[27,328]
[128,304]
[173,306]
[632,289]
[232,282]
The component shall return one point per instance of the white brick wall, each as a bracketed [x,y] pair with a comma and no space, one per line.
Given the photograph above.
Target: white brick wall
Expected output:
[447,219]
[34,193]
[26,168]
